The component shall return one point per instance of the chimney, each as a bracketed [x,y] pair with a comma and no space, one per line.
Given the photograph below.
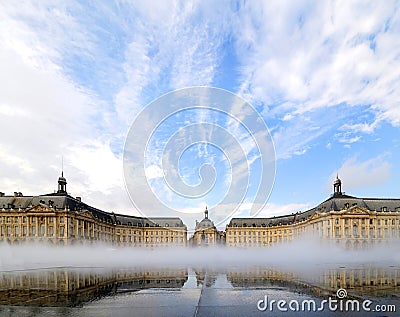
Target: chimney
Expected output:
[15,194]
[79,198]
[1,194]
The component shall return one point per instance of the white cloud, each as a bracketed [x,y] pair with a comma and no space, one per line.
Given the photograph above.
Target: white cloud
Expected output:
[272,209]
[355,174]
[300,57]
[153,171]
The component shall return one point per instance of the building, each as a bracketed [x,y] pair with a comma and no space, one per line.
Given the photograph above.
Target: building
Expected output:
[351,221]
[206,233]
[59,218]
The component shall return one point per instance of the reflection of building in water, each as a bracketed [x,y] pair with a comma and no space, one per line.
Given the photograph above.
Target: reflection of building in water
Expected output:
[368,281]
[62,287]
[355,222]
[205,277]
[62,219]
[359,281]
[206,233]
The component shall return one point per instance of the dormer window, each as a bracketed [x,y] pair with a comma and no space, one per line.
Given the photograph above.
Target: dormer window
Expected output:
[384,208]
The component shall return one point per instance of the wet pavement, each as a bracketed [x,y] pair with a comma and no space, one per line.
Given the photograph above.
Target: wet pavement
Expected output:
[183,292]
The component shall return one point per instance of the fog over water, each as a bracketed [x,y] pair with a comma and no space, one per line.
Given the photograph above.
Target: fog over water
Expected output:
[303,255]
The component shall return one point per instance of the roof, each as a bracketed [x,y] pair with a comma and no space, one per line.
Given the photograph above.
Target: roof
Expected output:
[204,224]
[334,203]
[62,201]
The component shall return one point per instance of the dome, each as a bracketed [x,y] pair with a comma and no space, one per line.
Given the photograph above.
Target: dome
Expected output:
[204,224]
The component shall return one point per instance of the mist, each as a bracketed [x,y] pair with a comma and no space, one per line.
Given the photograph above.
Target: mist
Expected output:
[304,255]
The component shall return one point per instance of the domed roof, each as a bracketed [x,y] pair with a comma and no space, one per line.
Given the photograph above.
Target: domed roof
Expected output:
[337,180]
[205,223]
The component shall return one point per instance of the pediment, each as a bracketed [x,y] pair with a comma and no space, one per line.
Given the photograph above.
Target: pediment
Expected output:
[356,210]
[39,208]
[87,214]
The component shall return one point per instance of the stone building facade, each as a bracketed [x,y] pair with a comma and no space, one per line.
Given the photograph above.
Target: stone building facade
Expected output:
[351,221]
[59,218]
[206,233]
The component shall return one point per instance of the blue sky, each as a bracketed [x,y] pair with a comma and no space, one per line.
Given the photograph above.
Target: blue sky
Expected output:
[324,75]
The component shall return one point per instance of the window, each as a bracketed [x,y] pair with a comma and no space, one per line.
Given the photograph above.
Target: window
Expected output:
[24,230]
[8,219]
[16,230]
[51,231]
[42,229]
[61,219]
[16,219]
[346,221]
[337,221]
[363,221]
[33,230]
[51,219]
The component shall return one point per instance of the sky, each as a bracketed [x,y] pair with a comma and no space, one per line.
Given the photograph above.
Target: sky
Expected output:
[324,76]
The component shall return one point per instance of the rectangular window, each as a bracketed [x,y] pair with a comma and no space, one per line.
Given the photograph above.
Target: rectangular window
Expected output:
[8,219]
[51,219]
[61,219]
[2,231]
[16,219]
[363,221]
[337,221]
[16,230]
[346,221]
[33,230]
[371,221]
[51,231]
[8,230]
[42,229]
[25,230]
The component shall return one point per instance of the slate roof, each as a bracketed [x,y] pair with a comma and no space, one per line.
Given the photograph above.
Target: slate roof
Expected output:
[62,201]
[204,224]
[335,203]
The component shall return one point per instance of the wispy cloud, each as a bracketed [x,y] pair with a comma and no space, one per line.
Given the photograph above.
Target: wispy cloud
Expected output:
[357,174]
[300,57]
